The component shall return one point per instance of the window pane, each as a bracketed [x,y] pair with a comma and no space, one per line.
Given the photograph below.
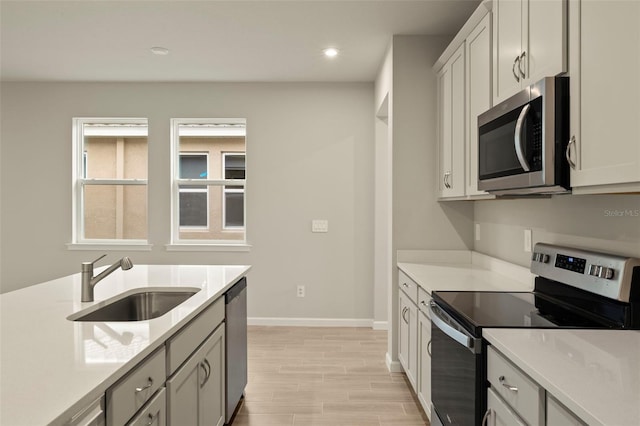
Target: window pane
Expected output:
[115,212]
[193,208]
[115,151]
[234,167]
[234,209]
[193,166]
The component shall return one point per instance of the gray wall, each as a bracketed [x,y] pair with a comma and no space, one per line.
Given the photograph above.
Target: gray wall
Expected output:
[602,222]
[419,221]
[310,156]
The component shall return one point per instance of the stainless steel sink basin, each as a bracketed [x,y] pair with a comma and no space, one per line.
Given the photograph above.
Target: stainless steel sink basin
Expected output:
[137,306]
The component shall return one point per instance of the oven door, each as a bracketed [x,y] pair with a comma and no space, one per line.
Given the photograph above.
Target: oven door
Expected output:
[457,372]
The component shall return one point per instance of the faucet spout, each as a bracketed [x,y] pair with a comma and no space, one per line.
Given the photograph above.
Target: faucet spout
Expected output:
[89,281]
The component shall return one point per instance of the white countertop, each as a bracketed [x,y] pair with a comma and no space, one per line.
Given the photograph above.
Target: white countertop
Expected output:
[594,373]
[481,273]
[51,367]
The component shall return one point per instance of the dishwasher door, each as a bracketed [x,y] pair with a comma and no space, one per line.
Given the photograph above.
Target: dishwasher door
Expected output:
[236,345]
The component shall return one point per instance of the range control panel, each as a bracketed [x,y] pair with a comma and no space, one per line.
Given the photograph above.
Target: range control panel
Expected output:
[606,274]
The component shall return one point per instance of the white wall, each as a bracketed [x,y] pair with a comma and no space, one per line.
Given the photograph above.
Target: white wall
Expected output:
[310,156]
[588,221]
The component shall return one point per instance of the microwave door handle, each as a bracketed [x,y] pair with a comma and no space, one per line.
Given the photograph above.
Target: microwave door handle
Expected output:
[467,341]
[517,140]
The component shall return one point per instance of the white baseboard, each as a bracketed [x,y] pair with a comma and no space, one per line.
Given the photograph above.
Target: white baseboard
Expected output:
[313,322]
[393,366]
[380,325]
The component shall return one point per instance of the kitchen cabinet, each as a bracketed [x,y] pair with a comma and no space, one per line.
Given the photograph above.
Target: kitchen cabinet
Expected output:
[408,328]
[196,390]
[558,415]
[91,415]
[516,389]
[424,352]
[154,413]
[529,43]
[605,100]
[127,396]
[451,126]
[478,97]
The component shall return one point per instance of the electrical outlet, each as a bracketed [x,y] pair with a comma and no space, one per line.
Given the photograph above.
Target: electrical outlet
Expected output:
[527,240]
[300,291]
[477,232]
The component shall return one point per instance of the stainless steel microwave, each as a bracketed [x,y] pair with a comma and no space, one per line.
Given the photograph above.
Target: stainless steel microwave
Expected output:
[522,141]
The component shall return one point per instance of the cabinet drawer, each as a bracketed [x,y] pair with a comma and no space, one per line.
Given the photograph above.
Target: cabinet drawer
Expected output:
[193,334]
[499,413]
[524,395]
[423,302]
[409,286]
[132,392]
[154,413]
[558,415]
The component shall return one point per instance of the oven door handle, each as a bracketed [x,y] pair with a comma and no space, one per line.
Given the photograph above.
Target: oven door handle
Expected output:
[441,320]
[517,140]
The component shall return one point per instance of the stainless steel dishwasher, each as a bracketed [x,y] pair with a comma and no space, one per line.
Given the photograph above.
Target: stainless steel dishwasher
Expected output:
[236,345]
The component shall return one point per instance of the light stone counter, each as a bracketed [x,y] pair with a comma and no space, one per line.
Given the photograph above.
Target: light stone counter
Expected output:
[464,271]
[51,367]
[594,373]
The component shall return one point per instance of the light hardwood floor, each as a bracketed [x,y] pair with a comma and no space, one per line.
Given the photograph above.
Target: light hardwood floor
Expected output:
[324,377]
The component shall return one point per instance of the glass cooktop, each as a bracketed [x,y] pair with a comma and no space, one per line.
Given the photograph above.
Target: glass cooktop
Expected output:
[487,309]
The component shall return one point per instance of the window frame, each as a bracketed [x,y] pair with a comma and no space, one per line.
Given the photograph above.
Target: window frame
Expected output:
[204,244]
[79,181]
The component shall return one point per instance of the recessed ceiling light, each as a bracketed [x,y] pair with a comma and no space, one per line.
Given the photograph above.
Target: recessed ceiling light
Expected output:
[162,51]
[330,52]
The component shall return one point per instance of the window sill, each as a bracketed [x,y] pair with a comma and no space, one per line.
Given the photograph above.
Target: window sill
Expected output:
[115,246]
[208,247]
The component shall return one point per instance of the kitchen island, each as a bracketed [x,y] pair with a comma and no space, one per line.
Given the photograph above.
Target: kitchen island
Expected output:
[52,368]
[594,373]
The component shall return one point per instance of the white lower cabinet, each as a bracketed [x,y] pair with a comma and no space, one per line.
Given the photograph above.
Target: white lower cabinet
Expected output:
[196,390]
[424,353]
[559,415]
[499,413]
[408,337]
[513,398]
[154,413]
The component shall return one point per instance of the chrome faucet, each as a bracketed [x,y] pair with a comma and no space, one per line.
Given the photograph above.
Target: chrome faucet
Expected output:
[89,281]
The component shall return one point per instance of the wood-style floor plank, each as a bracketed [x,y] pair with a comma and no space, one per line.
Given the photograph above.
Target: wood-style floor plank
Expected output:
[313,376]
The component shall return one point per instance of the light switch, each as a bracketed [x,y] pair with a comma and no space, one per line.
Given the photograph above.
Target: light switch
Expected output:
[319,225]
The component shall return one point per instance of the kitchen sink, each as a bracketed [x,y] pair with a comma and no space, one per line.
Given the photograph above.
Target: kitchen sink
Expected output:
[140,305]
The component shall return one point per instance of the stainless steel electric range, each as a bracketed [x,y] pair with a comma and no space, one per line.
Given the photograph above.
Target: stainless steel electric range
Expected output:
[574,288]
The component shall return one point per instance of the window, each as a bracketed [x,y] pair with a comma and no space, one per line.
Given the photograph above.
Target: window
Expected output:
[233,199]
[110,180]
[209,173]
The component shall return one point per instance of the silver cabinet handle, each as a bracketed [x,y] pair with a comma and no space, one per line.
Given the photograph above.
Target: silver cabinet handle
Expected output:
[149,384]
[507,385]
[403,317]
[518,140]
[206,362]
[446,180]
[152,419]
[429,348]
[204,379]
[520,62]
[486,417]
[567,153]
[513,69]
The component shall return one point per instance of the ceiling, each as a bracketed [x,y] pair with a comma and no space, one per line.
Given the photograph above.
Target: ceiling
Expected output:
[211,40]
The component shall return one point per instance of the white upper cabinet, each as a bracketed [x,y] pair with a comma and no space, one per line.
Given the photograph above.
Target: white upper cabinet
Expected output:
[452,126]
[604,71]
[478,90]
[529,43]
